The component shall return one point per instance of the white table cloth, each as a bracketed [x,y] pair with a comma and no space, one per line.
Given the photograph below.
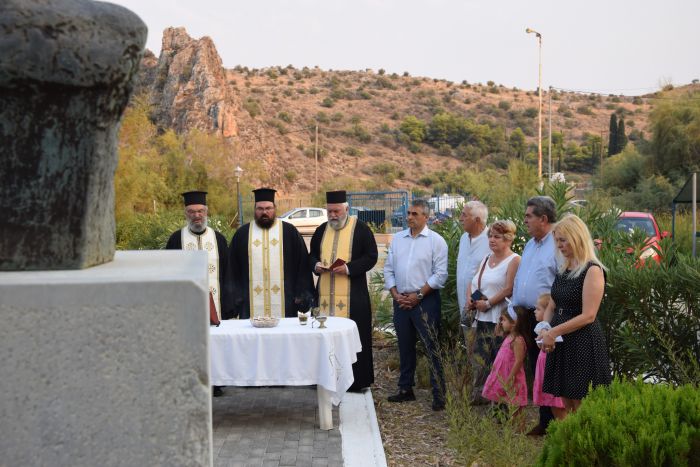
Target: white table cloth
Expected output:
[287,355]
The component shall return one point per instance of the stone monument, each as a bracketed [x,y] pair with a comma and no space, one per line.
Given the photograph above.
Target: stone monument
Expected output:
[66,74]
[105,357]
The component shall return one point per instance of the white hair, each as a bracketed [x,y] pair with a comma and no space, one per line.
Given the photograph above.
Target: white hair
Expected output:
[478,209]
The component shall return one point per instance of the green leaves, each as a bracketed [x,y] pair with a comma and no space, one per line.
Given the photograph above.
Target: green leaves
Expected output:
[628,423]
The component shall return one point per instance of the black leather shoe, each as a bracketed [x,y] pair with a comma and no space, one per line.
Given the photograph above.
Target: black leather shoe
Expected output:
[356,390]
[438,405]
[537,431]
[216,391]
[404,395]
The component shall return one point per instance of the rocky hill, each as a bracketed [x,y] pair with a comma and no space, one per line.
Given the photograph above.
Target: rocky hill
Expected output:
[269,117]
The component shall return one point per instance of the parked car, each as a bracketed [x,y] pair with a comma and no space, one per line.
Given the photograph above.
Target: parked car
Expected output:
[398,216]
[628,221]
[578,203]
[306,220]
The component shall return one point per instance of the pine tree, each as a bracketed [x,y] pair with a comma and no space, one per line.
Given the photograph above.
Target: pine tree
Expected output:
[612,140]
[621,136]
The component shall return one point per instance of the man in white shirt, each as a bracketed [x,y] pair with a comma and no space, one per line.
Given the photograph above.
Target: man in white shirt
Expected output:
[473,247]
[414,271]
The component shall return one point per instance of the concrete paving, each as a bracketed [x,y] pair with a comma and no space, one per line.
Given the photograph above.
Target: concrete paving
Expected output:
[273,426]
[278,426]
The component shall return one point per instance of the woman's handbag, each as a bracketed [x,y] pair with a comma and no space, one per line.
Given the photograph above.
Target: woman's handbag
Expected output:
[476,295]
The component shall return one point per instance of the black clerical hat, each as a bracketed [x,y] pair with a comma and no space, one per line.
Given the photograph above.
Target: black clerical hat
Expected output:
[336,197]
[195,197]
[265,194]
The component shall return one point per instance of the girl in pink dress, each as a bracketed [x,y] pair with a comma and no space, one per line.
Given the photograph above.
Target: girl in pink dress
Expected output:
[538,397]
[506,382]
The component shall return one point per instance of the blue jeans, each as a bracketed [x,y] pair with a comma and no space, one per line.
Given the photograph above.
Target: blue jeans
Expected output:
[422,321]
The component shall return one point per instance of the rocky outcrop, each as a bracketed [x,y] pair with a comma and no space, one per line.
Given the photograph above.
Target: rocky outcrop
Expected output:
[188,85]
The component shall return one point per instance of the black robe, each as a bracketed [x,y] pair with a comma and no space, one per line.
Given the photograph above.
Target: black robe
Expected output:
[175,243]
[298,282]
[364,257]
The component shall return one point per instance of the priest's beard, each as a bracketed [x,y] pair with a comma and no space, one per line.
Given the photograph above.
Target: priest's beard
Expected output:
[339,223]
[197,228]
[265,221]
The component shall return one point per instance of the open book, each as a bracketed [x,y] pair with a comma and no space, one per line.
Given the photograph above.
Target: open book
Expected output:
[336,263]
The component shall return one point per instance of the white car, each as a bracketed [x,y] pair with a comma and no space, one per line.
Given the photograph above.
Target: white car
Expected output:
[306,220]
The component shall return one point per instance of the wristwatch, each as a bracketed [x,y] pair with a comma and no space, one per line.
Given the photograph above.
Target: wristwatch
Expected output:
[419,294]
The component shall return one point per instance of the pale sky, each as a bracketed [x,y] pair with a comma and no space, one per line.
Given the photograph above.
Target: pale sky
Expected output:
[612,47]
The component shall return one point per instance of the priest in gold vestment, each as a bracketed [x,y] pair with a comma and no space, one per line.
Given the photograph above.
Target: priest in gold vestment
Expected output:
[342,290]
[269,264]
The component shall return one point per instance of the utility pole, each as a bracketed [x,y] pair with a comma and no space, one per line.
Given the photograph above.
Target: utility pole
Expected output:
[316,158]
[601,154]
[549,149]
[539,108]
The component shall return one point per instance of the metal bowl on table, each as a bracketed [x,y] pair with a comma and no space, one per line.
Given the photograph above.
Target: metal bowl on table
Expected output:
[264,321]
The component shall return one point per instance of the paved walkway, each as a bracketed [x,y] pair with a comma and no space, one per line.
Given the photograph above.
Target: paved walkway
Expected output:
[275,426]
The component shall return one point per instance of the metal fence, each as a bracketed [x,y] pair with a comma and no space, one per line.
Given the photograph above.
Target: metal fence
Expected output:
[386,210]
[389,208]
[380,208]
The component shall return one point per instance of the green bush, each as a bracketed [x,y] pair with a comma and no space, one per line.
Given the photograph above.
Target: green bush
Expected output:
[651,313]
[530,112]
[584,110]
[504,105]
[151,231]
[414,127]
[627,424]
[322,117]
[252,106]
[285,117]
[352,151]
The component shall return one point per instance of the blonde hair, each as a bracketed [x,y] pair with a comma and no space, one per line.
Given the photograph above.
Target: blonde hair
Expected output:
[576,233]
[503,227]
[543,299]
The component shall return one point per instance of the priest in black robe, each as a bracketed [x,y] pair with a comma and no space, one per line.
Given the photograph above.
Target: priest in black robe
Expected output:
[269,264]
[196,235]
[343,250]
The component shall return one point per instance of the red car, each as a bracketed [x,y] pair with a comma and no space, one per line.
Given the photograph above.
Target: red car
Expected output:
[630,220]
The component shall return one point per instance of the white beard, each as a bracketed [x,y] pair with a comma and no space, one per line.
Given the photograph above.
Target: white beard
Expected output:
[338,224]
[197,229]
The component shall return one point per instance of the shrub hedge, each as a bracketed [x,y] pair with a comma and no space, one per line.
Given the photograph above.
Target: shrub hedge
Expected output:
[628,423]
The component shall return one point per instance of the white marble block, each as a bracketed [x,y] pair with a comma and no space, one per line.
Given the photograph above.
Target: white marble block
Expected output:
[107,366]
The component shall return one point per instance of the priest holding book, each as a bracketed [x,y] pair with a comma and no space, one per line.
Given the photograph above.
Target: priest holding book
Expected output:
[269,264]
[343,250]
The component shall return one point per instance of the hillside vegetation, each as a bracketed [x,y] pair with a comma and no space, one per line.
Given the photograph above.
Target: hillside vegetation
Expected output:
[192,122]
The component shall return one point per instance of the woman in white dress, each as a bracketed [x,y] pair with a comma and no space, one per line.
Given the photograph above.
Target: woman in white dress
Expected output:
[486,298]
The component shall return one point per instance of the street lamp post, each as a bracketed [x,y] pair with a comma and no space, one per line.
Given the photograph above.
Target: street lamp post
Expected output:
[539,109]
[239,172]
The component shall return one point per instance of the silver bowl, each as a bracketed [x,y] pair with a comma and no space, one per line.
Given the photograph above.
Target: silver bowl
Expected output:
[264,321]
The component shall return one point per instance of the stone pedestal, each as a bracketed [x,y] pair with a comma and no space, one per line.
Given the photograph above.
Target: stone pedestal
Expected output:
[108,365]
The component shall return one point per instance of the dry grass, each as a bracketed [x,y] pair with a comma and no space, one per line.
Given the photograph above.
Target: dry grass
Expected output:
[411,432]
[414,435]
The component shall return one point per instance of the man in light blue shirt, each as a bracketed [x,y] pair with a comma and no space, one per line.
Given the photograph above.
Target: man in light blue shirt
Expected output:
[535,276]
[473,247]
[414,271]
